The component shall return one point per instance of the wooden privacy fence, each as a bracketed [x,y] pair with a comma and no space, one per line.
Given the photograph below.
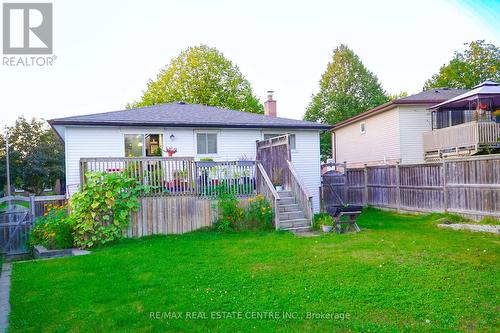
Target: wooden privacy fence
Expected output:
[172,215]
[179,176]
[470,187]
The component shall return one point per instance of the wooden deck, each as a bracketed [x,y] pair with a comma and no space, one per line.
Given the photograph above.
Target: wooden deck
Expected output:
[460,140]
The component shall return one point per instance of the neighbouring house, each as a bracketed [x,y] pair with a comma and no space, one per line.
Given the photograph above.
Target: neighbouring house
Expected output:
[465,125]
[389,133]
[188,130]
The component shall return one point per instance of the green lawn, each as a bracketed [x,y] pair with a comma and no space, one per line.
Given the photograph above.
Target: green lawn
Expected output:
[400,273]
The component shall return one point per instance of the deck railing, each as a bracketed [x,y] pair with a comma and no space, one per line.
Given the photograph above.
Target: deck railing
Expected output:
[300,192]
[266,188]
[179,176]
[468,135]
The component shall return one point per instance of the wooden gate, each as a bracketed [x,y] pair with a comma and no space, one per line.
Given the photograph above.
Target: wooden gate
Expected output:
[15,227]
[274,154]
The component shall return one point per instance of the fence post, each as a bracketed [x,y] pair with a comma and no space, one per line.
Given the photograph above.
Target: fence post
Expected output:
[346,184]
[321,204]
[366,184]
[398,188]
[32,206]
[445,187]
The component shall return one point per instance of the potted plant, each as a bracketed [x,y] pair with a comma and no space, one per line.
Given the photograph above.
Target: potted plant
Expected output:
[170,151]
[326,223]
[205,162]
[278,179]
[496,114]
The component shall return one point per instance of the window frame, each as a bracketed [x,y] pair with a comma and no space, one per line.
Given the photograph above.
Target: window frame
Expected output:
[362,127]
[161,142]
[206,133]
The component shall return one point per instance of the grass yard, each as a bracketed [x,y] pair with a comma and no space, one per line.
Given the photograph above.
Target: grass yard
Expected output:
[400,273]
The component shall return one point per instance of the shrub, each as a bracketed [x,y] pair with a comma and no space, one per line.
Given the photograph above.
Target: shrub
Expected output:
[322,219]
[54,229]
[101,209]
[258,214]
[230,213]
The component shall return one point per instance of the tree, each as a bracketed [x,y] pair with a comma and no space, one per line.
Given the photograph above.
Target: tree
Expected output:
[201,75]
[398,95]
[347,88]
[478,63]
[36,155]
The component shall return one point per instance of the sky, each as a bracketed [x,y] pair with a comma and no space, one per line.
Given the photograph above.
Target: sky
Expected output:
[106,51]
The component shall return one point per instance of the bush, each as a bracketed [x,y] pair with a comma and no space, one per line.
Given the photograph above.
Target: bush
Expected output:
[101,209]
[54,229]
[230,213]
[259,214]
[321,219]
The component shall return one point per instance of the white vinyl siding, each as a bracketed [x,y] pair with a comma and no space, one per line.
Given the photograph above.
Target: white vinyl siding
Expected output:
[232,144]
[377,145]
[413,122]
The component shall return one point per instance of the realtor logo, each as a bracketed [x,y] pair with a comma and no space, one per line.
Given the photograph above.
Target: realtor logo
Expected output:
[27,28]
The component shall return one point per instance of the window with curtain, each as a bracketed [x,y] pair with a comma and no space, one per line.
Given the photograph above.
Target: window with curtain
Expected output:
[291,139]
[206,143]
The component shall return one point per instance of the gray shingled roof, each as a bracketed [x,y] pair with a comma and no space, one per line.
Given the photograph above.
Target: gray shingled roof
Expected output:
[186,115]
[435,95]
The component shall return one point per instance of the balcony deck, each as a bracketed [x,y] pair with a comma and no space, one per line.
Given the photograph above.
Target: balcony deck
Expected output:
[460,140]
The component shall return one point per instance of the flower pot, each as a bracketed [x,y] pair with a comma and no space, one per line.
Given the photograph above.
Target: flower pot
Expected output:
[326,228]
[203,164]
[244,163]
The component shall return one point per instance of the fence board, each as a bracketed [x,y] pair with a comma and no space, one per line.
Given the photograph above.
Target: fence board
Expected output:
[470,187]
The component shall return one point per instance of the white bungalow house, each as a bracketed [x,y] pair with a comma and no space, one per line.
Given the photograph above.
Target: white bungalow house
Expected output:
[196,131]
[389,133]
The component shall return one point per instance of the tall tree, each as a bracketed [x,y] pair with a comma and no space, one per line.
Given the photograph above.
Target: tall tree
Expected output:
[201,75]
[347,88]
[36,155]
[479,62]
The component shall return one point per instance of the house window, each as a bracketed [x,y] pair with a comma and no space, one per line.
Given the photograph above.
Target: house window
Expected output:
[139,145]
[362,128]
[206,143]
[291,139]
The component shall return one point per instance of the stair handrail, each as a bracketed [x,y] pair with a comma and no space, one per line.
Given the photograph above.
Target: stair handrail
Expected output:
[274,197]
[303,196]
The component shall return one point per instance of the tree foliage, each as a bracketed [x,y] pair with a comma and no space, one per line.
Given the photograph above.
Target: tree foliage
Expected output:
[201,75]
[36,156]
[347,88]
[478,63]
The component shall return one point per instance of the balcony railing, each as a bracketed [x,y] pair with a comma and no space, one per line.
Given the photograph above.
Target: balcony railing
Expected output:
[179,176]
[468,137]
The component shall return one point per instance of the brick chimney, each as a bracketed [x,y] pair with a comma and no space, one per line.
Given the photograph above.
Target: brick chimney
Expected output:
[270,105]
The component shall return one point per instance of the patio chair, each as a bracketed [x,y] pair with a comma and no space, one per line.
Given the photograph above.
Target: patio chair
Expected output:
[338,211]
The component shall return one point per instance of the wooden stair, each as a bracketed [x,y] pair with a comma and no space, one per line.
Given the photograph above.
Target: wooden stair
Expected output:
[291,217]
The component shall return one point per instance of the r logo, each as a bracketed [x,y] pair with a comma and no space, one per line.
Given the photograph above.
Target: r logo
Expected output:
[27,28]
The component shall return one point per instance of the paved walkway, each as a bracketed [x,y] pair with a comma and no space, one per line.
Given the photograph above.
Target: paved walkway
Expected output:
[4,296]
[494,229]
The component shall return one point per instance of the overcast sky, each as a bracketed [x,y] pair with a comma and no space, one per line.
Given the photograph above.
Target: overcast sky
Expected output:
[107,50]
